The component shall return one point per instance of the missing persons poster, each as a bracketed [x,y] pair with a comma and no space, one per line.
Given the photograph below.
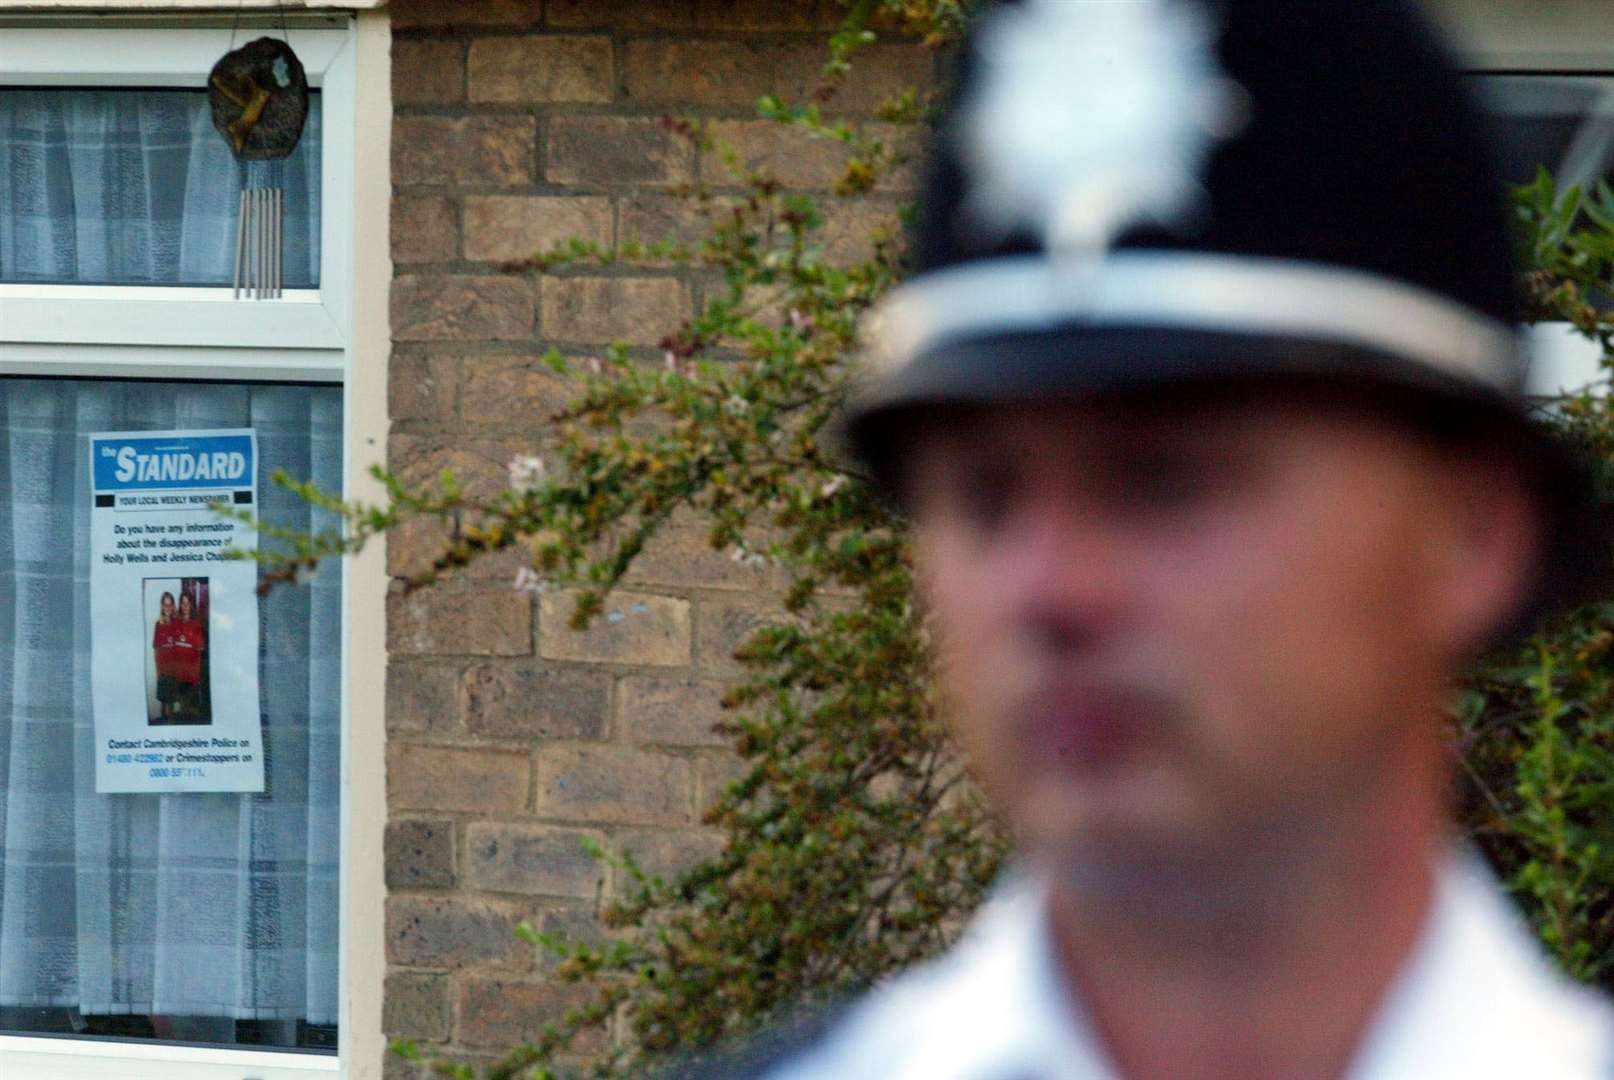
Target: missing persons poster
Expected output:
[173,623]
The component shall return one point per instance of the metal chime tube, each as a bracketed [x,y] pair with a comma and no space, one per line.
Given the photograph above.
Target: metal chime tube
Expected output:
[240,241]
[262,220]
[259,243]
[270,254]
[279,250]
[254,245]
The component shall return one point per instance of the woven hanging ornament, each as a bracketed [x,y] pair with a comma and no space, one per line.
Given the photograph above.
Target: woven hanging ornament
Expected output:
[259,99]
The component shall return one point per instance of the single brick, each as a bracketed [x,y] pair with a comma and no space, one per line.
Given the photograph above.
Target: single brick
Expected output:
[793,157]
[569,923]
[480,465]
[881,73]
[767,15]
[852,228]
[503,227]
[613,785]
[681,555]
[505,702]
[669,712]
[449,307]
[395,1067]
[541,69]
[717,74]
[907,143]
[413,545]
[481,623]
[456,778]
[652,219]
[425,228]
[500,567]
[421,387]
[635,628]
[616,150]
[420,854]
[416,1006]
[715,770]
[409,14]
[502,1013]
[714,73]
[481,151]
[428,72]
[662,853]
[513,388]
[454,932]
[704,15]
[422,696]
[723,626]
[638,311]
[538,860]
[621,14]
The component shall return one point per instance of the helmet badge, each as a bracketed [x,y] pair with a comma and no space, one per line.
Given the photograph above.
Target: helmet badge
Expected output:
[1093,116]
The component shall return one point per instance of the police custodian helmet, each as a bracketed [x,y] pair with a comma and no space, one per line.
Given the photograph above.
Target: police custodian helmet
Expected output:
[1130,193]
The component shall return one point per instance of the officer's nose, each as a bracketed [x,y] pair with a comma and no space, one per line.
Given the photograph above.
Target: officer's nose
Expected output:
[1061,574]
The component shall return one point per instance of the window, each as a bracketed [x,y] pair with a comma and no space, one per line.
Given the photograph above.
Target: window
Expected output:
[134,186]
[142,265]
[180,934]
[1566,123]
[1545,72]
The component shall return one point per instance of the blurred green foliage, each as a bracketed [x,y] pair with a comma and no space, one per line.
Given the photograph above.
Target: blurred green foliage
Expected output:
[1535,724]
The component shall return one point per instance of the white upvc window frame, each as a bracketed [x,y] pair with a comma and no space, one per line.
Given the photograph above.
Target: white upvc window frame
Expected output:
[104,329]
[337,334]
[1525,37]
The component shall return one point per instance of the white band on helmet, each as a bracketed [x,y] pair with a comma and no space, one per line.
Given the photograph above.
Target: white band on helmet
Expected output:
[1193,291]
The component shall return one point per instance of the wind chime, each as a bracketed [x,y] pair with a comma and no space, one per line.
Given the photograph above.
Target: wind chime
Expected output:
[259,99]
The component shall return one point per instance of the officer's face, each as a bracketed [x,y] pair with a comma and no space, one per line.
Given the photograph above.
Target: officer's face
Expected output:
[1183,626]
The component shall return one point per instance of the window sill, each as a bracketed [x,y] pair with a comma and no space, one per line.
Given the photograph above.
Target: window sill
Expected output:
[297,320]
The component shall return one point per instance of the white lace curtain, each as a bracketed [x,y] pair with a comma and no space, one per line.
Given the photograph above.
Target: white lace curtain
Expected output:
[209,905]
[136,187]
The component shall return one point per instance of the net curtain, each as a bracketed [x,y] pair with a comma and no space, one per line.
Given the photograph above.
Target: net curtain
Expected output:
[208,905]
[135,186]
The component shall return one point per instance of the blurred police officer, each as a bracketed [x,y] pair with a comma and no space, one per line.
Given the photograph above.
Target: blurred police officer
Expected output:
[1205,404]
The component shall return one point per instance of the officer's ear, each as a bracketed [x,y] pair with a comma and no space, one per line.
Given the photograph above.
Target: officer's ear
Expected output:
[1486,539]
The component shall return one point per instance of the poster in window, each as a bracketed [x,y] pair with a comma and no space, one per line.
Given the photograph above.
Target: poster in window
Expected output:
[173,622]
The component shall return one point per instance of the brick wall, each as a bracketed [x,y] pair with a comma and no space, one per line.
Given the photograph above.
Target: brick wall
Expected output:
[511,738]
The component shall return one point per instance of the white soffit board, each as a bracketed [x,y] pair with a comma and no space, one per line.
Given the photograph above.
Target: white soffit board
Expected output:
[1529,35]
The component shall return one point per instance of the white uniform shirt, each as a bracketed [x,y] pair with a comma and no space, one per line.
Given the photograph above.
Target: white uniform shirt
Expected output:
[1476,1001]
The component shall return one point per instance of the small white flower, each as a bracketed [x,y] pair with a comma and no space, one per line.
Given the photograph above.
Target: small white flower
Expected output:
[832,485]
[528,581]
[745,557]
[526,471]
[736,405]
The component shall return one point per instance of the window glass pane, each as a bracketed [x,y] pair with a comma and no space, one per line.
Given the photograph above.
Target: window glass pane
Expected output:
[1565,122]
[135,187]
[203,917]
